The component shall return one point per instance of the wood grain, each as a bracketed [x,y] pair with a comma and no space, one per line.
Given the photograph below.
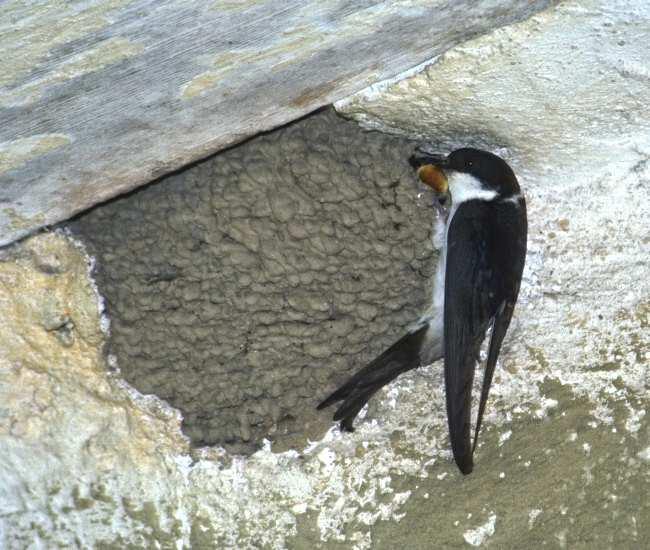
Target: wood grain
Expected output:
[99,97]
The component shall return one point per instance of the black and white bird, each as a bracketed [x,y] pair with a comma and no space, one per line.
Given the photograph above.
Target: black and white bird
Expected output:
[483,240]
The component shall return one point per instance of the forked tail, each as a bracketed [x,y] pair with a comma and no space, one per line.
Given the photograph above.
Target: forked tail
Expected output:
[402,356]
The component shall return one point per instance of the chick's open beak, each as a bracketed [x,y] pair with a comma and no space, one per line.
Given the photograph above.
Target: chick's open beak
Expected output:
[429,167]
[434,177]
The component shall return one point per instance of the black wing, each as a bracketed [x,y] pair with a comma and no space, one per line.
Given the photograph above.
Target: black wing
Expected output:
[402,356]
[486,249]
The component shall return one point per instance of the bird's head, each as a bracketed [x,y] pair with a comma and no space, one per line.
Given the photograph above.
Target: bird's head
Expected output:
[465,169]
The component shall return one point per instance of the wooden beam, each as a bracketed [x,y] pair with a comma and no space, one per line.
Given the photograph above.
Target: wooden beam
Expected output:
[98,97]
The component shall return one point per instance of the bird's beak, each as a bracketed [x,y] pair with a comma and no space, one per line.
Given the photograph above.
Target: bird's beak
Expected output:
[429,168]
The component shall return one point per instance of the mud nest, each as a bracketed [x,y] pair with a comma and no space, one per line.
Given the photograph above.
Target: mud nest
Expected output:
[244,288]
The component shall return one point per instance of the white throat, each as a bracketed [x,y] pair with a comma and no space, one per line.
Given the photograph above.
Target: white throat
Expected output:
[464,187]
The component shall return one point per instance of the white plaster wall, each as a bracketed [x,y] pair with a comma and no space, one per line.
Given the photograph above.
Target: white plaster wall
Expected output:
[562,96]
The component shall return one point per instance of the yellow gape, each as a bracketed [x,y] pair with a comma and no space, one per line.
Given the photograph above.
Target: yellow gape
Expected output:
[434,177]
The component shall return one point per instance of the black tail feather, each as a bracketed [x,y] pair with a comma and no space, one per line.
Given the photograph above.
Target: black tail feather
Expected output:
[402,356]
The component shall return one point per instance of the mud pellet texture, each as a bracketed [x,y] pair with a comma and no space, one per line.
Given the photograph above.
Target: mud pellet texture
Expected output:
[246,287]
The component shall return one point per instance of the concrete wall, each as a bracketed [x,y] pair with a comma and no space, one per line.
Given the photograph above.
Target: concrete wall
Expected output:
[564,458]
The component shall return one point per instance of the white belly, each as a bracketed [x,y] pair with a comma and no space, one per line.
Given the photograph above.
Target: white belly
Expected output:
[434,315]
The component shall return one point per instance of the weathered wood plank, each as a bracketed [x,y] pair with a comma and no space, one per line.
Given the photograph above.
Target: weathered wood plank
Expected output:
[98,97]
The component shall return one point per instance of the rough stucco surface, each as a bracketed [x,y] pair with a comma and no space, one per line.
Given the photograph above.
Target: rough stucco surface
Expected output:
[565,458]
[580,69]
[158,85]
[242,288]
[53,380]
